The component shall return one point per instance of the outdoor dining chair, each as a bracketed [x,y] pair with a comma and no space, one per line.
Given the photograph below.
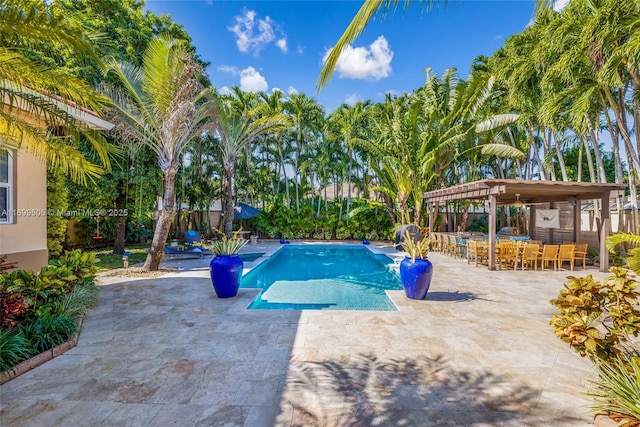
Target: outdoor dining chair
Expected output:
[549,255]
[529,257]
[566,253]
[452,247]
[581,254]
[508,255]
[477,251]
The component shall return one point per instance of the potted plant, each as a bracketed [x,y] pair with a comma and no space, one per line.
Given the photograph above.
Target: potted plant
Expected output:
[415,269]
[226,266]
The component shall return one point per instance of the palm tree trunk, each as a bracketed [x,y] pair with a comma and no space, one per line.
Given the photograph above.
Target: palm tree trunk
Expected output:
[560,156]
[229,203]
[156,251]
[587,151]
[546,148]
[536,155]
[580,151]
[596,147]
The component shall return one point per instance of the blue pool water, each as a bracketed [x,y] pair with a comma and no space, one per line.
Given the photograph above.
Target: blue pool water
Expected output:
[323,277]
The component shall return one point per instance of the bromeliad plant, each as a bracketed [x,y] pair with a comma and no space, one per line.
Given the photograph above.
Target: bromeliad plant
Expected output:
[416,249]
[228,245]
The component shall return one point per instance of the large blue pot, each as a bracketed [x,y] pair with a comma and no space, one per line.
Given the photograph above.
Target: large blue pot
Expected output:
[226,272]
[416,277]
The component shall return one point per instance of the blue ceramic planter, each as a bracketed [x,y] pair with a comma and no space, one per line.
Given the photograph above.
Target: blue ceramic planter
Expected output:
[416,277]
[226,272]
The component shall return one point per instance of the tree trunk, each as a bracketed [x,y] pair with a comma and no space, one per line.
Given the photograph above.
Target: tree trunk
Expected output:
[536,154]
[546,149]
[602,177]
[228,203]
[156,251]
[563,168]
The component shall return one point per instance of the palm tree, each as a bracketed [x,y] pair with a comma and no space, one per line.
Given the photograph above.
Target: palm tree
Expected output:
[164,107]
[306,115]
[237,130]
[29,27]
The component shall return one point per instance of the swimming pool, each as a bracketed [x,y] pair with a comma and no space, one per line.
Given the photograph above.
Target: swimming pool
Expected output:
[323,277]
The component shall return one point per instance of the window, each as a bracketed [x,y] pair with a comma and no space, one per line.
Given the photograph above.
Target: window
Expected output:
[6,186]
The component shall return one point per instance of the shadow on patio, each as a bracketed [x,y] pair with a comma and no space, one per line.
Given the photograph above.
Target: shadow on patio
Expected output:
[367,391]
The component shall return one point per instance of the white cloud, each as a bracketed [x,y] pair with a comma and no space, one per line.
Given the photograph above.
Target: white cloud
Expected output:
[282,44]
[352,99]
[228,69]
[254,34]
[250,79]
[292,90]
[370,63]
[224,90]
[558,5]
[299,50]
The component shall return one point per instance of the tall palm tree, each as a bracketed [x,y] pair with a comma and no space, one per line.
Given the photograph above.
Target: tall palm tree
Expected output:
[237,130]
[306,115]
[164,107]
[33,27]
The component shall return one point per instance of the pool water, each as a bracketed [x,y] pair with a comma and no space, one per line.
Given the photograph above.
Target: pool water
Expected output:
[323,277]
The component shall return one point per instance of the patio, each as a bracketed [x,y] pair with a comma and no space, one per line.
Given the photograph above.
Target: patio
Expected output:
[478,351]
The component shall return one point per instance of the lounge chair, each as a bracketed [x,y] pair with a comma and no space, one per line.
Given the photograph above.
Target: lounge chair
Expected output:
[172,252]
[193,241]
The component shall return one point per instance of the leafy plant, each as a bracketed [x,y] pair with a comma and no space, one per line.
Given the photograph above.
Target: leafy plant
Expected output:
[80,299]
[416,249]
[13,348]
[48,331]
[228,246]
[136,231]
[13,307]
[616,388]
[81,264]
[627,240]
[598,318]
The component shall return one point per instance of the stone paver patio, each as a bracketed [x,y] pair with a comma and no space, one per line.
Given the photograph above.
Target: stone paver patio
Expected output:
[478,351]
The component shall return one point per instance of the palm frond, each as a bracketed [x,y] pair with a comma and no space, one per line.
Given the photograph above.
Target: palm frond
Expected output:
[501,150]
[496,121]
[367,11]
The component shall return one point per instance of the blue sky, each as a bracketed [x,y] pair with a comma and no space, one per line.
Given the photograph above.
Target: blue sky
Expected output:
[267,45]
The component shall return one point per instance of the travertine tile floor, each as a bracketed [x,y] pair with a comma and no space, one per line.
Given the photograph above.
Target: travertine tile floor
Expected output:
[478,351]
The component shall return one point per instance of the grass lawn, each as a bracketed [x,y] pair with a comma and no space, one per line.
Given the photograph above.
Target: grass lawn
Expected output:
[109,260]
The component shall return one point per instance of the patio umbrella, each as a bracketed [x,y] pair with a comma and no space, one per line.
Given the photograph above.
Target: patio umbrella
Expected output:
[244,211]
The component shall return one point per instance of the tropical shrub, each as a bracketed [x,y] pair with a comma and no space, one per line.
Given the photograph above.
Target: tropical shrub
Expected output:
[47,331]
[600,320]
[366,220]
[597,318]
[81,264]
[137,230]
[14,348]
[38,311]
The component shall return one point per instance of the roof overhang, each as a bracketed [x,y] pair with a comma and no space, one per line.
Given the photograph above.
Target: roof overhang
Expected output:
[84,116]
[505,191]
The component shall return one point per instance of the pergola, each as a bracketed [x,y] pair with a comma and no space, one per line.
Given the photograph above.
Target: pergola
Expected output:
[504,191]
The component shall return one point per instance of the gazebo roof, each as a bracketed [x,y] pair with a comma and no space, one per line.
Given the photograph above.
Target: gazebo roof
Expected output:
[505,191]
